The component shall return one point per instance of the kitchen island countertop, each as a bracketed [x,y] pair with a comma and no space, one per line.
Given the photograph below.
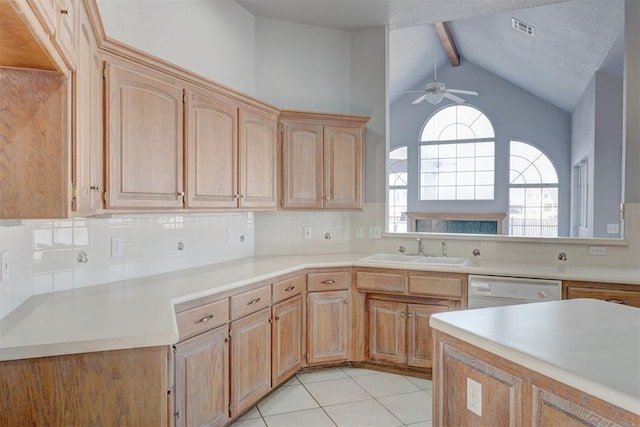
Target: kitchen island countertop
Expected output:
[590,345]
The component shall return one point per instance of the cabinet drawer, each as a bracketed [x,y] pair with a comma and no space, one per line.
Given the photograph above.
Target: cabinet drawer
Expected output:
[630,298]
[436,286]
[287,288]
[200,319]
[387,282]
[250,301]
[328,281]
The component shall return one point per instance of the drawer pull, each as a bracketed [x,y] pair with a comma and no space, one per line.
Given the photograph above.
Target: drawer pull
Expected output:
[203,319]
[254,301]
[617,301]
[329,282]
[290,288]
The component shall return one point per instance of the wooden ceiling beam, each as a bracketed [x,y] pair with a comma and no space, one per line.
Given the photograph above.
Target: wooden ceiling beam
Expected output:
[446,38]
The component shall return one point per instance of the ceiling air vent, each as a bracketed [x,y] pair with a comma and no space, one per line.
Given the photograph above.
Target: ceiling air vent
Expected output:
[523,27]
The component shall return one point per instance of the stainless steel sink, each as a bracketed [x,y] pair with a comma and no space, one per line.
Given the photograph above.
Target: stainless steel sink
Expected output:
[416,259]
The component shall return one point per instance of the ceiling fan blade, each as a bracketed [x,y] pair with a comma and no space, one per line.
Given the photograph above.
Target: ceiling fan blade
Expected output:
[463,92]
[454,98]
[409,91]
[419,100]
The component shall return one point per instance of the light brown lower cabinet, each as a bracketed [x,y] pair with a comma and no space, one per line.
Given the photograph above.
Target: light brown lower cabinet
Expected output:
[202,379]
[510,394]
[286,339]
[399,332]
[328,328]
[610,292]
[101,388]
[250,360]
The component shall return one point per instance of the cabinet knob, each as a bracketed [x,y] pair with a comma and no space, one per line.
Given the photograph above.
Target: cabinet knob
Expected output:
[181,193]
[346,301]
[327,198]
[402,314]
[410,315]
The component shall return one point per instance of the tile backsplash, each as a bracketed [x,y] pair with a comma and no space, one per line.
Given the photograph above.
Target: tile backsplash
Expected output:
[54,255]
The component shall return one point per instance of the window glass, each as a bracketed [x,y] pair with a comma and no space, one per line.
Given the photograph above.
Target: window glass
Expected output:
[456,145]
[533,193]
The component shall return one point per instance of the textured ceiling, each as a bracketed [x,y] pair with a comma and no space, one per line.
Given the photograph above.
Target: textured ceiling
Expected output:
[573,38]
[357,14]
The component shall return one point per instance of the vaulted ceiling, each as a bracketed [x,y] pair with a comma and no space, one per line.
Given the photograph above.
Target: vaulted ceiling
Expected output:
[572,40]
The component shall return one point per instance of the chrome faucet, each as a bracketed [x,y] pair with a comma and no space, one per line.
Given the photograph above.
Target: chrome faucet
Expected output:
[420,247]
[444,249]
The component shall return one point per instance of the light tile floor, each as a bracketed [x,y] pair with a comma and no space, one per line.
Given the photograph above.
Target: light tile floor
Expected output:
[344,397]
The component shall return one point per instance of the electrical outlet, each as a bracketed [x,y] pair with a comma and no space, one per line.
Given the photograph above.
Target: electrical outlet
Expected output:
[4,266]
[116,246]
[359,233]
[613,228]
[474,396]
[375,232]
[306,232]
[597,250]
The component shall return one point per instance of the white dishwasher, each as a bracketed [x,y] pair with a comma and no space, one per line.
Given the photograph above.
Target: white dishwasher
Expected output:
[494,291]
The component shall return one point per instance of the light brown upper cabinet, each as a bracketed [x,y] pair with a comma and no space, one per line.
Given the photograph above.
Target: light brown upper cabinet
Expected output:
[88,148]
[258,156]
[322,160]
[212,152]
[144,138]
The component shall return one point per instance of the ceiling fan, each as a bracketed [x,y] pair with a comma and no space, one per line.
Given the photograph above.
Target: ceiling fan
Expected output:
[436,91]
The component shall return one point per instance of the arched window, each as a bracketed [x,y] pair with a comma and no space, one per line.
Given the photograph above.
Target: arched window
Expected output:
[533,192]
[457,158]
[398,179]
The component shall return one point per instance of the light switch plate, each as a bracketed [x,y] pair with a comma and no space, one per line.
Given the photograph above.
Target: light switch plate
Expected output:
[4,266]
[613,228]
[359,233]
[306,232]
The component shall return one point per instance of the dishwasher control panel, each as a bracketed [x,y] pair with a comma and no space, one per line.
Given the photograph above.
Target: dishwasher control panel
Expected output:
[516,289]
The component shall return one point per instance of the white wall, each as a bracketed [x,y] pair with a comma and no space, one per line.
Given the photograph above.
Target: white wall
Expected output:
[632,102]
[212,38]
[302,66]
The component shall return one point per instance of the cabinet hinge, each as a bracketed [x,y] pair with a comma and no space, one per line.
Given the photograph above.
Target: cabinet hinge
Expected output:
[104,198]
[176,414]
[74,192]
[104,73]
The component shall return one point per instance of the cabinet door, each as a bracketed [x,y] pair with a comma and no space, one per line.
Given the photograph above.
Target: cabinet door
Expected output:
[286,339]
[387,331]
[212,152]
[258,160]
[202,379]
[420,334]
[327,327]
[88,148]
[302,166]
[144,137]
[250,360]
[343,147]
[67,29]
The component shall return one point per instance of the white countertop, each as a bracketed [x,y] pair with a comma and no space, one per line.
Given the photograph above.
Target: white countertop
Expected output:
[139,312]
[591,345]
